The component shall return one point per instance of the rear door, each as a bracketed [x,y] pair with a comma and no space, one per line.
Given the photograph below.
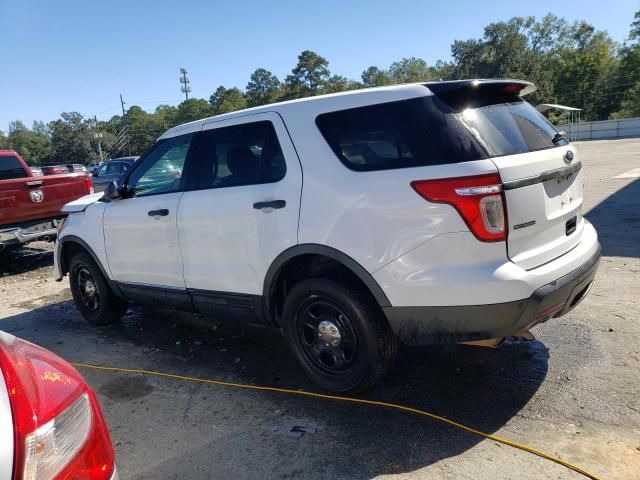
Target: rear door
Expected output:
[540,171]
[242,211]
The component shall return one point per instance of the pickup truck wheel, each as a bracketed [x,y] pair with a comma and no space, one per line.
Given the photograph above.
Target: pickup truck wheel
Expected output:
[94,298]
[341,340]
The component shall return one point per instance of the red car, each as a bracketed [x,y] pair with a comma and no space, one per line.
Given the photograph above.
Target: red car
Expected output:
[51,426]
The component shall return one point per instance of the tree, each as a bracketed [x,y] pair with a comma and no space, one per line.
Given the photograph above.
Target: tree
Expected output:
[71,140]
[374,77]
[338,83]
[32,145]
[191,110]
[225,100]
[628,74]
[4,141]
[408,70]
[308,77]
[263,88]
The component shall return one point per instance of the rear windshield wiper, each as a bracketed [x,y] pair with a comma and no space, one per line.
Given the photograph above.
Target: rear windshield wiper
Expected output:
[559,136]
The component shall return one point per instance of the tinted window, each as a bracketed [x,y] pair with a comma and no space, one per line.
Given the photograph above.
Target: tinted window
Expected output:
[244,154]
[408,133]
[509,128]
[161,170]
[10,167]
[114,168]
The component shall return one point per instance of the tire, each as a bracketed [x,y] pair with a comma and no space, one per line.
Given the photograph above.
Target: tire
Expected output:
[338,335]
[93,297]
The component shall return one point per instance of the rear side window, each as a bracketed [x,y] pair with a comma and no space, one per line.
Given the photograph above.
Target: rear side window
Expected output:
[10,167]
[409,133]
[246,154]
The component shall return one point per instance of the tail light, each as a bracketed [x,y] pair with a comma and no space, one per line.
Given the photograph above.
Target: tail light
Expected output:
[89,183]
[478,199]
[59,431]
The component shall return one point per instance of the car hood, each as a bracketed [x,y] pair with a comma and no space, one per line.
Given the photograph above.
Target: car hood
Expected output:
[81,203]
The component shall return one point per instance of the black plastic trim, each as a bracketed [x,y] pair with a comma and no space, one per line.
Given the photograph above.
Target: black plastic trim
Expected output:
[271,277]
[543,177]
[230,305]
[160,296]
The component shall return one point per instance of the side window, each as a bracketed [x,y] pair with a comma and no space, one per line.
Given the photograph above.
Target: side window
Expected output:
[403,134]
[102,170]
[113,168]
[161,170]
[244,154]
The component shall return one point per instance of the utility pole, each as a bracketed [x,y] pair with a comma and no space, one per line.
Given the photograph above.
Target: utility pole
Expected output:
[98,136]
[124,119]
[184,80]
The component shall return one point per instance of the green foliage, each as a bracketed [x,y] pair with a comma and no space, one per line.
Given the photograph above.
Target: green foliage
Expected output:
[308,77]
[374,77]
[225,100]
[263,88]
[571,64]
[409,70]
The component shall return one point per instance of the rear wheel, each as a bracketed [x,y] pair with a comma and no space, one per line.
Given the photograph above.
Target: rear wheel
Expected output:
[94,298]
[339,337]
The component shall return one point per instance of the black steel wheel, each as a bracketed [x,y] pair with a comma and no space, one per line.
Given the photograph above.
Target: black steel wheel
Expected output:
[92,295]
[338,335]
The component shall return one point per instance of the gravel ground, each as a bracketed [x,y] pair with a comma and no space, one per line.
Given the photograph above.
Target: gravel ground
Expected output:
[574,392]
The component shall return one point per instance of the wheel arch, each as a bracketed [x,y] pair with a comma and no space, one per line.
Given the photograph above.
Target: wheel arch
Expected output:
[273,276]
[72,244]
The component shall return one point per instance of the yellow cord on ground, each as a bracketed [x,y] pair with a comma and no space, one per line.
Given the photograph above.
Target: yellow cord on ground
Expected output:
[347,399]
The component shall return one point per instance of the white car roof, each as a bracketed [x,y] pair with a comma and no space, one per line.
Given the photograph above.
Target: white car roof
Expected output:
[317,104]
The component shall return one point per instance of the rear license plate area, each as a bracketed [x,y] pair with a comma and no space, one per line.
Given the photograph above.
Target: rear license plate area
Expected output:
[40,227]
[570,226]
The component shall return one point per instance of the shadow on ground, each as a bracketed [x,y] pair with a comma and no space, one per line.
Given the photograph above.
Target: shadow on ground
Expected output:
[480,387]
[617,220]
[19,260]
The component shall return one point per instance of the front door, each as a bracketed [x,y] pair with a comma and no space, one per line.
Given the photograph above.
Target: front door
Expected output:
[140,231]
[243,213]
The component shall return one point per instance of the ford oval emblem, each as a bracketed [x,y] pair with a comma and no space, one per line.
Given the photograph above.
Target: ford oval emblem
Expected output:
[568,157]
[36,196]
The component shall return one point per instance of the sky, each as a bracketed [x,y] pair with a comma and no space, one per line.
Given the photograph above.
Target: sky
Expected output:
[80,55]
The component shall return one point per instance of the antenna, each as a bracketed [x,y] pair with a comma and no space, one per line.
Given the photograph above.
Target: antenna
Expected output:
[184,80]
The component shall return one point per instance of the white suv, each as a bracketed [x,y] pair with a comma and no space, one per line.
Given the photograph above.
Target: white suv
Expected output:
[422,213]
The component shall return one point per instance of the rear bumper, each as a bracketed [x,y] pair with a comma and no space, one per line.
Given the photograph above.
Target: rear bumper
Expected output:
[16,235]
[442,324]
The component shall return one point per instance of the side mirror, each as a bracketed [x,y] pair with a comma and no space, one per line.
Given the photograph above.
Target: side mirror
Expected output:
[111,193]
[94,173]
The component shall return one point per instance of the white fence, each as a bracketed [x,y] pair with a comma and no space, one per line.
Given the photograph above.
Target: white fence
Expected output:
[607,129]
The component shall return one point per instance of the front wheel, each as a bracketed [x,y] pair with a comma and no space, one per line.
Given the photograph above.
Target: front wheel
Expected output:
[94,298]
[338,335]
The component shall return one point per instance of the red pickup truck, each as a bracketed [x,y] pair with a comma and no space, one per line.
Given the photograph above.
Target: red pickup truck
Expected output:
[30,206]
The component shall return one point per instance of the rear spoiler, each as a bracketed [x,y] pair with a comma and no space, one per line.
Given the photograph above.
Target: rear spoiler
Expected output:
[463,94]
[518,87]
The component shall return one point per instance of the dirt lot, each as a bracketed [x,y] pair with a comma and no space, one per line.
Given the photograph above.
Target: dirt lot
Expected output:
[574,392]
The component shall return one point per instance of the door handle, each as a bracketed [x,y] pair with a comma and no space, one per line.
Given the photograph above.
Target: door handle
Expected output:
[270,204]
[163,212]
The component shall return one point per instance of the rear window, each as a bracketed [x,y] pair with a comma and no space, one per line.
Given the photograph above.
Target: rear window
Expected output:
[457,125]
[10,167]
[408,133]
[510,128]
